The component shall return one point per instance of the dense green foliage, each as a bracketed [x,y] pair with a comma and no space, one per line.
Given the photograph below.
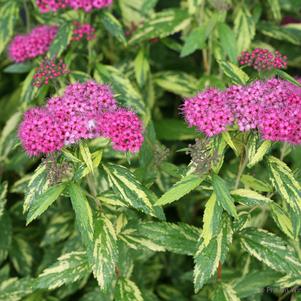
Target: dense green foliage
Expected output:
[147,226]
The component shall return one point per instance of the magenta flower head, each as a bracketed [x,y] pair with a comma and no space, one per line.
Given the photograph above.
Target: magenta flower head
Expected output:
[272,107]
[33,44]
[263,59]
[124,128]
[46,6]
[86,110]
[208,111]
[40,132]
[87,5]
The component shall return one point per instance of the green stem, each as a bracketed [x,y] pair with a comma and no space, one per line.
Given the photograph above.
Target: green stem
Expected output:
[27,16]
[242,165]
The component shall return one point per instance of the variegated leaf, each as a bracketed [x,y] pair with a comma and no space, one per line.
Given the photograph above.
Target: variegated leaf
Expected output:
[285,183]
[105,253]
[223,195]
[14,289]
[181,188]
[225,292]
[207,257]
[38,184]
[161,24]
[211,219]
[83,214]
[271,250]
[127,290]
[43,201]
[125,184]
[3,200]
[69,268]
[178,238]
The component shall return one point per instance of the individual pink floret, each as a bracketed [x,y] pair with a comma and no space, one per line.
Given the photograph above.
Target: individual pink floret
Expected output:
[33,44]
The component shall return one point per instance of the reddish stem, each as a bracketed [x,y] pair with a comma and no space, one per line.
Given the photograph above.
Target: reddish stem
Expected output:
[219,271]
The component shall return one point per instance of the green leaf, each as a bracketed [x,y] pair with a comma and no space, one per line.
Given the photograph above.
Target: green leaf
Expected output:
[283,33]
[132,191]
[256,150]
[43,201]
[38,184]
[250,198]
[28,90]
[223,195]
[61,40]
[127,94]
[179,83]
[8,138]
[178,238]
[225,292]
[174,130]
[18,68]
[21,255]
[285,183]
[179,189]
[258,185]
[161,24]
[60,226]
[234,73]
[68,269]
[282,220]
[211,219]
[83,214]
[271,250]
[275,9]
[288,77]
[86,155]
[105,253]
[244,28]
[3,199]
[194,41]
[9,12]
[14,289]
[207,257]
[127,290]
[5,236]
[254,282]
[113,26]
[142,68]
[228,41]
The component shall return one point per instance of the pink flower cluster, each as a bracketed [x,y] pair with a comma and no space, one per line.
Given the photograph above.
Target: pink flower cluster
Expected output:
[263,59]
[48,70]
[82,31]
[86,110]
[46,6]
[33,44]
[273,107]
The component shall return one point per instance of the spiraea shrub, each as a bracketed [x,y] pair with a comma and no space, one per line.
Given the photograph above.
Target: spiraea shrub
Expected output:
[150,150]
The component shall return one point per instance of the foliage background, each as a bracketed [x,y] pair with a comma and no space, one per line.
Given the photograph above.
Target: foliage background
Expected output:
[153,53]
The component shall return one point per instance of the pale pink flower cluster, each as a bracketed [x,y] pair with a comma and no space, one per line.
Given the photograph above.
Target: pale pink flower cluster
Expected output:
[28,46]
[272,107]
[263,59]
[86,110]
[46,6]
